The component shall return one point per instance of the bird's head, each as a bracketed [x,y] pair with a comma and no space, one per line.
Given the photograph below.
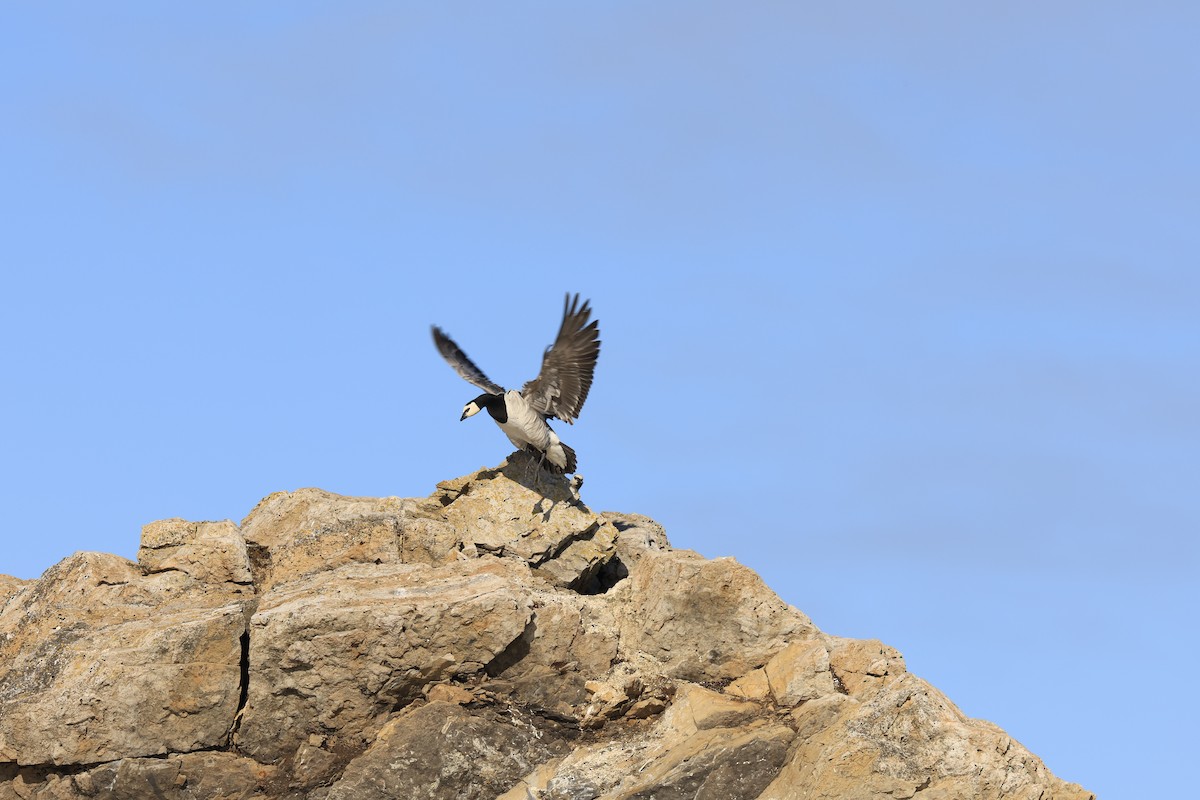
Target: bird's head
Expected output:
[478,404]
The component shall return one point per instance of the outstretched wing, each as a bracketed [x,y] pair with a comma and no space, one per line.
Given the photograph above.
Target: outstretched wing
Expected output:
[456,358]
[567,366]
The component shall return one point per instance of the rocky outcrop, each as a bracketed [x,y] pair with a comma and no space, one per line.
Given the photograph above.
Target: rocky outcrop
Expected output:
[102,660]
[496,639]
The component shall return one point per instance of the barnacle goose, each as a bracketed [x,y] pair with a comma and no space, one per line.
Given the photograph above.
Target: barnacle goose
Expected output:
[558,391]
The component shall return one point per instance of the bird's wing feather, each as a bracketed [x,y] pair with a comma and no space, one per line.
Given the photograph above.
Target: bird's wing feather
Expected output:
[456,358]
[562,386]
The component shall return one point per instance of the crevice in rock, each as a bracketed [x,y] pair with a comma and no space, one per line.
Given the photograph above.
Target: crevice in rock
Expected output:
[244,667]
[243,685]
[837,682]
[149,572]
[260,561]
[563,720]
[609,574]
[37,773]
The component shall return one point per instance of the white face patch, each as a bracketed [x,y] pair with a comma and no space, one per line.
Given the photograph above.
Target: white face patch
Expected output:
[469,410]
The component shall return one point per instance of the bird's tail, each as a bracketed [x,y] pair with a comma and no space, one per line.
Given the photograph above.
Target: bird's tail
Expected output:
[548,462]
[570,467]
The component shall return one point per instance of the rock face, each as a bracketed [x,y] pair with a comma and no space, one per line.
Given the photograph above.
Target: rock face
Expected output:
[497,639]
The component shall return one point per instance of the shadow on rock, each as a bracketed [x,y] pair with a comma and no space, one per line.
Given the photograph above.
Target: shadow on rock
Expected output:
[526,469]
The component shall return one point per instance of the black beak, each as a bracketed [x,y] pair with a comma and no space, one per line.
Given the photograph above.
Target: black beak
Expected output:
[464,416]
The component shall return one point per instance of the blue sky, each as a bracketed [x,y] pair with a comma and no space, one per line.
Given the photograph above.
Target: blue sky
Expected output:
[900,302]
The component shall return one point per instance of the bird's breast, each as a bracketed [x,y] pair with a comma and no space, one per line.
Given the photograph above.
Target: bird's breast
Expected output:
[524,425]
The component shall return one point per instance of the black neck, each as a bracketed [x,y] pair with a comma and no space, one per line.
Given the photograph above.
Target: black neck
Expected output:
[494,403]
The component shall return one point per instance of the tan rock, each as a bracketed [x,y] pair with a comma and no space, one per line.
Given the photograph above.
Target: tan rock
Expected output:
[592,770]
[637,535]
[9,586]
[714,764]
[35,783]
[210,552]
[907,739]
[99,662]
[501,512]
[580,564]
[508,512]
[426,538]
[443,751]
[314,763]
[800,672]
[863,665]
[569,640]
[294,534]
[338,650]
[522,469]
[600,711]
[623,693]
[448,693]
[605,693]
[696,708]
[818,714]
[705,745]
[700,619]
[644,709]
[752,686]
[188,776]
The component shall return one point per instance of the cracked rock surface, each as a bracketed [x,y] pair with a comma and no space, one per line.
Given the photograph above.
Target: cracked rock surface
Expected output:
[496,639]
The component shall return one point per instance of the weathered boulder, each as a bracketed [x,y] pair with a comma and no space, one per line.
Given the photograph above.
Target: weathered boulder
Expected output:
[713,764]
[569,639]
[907,738]
[752,686]
[673,757]
[862,666]
[290,535]
[504,512]
[800,672]
[696,708]
[442,752]
[210,552]
[636,536]
[703,619]
[99,661]
[514,512]
[332,654]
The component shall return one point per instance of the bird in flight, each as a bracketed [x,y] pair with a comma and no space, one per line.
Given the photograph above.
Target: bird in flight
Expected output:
[558,392]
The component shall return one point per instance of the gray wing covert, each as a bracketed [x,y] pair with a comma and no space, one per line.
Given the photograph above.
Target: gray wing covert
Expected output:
[562,386]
